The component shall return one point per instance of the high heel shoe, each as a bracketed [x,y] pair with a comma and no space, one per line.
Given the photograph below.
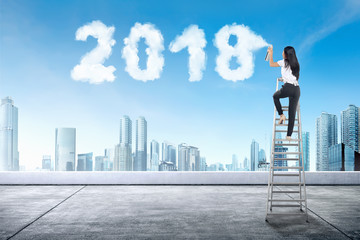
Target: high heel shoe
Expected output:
[282,119]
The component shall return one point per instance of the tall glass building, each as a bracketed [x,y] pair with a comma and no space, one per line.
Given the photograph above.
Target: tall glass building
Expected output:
[154,155]
[140,163]
[9,154]
[85,162]
[235,163]
[326,136]
[123,151]
[280,149]
[183,155]
[189,158]
[254,155]
[306,149]
[168,152]
[341,158]
[65,149]
[99,163]
[350,133]
[109,155]
[203,164]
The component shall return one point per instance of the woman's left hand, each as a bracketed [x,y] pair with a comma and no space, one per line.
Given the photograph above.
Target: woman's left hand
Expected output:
[270,50]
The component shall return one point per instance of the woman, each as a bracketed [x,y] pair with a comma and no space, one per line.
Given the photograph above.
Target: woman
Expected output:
[290,70]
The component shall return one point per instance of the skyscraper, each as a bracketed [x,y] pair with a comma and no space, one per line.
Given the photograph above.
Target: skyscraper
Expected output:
[168,152]
[235,162]
[341,158]
[183,155]
[306,149]
[46,162]
[246,164]
[350,127]
[141,145]
[279,148]
[326,136]
[123,150]
[188,158]
[109,159]
[203,164]
[194,159]
[262,156]
[172,154]
[9,154]
[254,155]
[126,130]
[99,163]
[154,155]
[65,149]
[85,162]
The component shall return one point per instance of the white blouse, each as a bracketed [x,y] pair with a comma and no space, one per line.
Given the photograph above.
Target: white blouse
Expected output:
[287,73]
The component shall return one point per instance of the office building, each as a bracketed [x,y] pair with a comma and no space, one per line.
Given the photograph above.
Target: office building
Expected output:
[85,162]
[235,163]
[343,158]
[167,166]
[326,136]
[306,150]
[123,151]
[99,163]
[65,149]
[154,155]
[109,155]
[254,156]
[350,134]
[9,154]
[140,163]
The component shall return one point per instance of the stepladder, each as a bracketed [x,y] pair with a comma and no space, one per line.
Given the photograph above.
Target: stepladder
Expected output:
[286,184]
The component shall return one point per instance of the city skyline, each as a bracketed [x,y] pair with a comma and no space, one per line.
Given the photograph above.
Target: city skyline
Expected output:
[124,159]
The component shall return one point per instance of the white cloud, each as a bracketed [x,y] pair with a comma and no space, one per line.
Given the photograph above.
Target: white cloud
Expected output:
[91,68]
[194,39]
[247,42]
[155,61]
[346,15]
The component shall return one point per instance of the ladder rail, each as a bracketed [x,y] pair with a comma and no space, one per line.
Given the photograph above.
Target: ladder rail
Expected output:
[271,157]
[302,165]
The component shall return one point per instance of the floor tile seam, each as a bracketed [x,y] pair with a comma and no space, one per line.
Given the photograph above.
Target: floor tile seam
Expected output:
[43,214]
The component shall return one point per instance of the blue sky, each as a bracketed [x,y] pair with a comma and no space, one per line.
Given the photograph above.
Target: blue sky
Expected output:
[38,50]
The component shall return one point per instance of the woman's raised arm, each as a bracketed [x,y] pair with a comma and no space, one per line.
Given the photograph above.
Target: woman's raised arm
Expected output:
[271,61]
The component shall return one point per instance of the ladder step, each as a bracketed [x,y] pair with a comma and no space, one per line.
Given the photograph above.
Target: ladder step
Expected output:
[285,140]
[286,159]
[286,167]
[286,144]
[286,200]
[282,124]
[286,205]
[296,119]
[289,184]
[285,131]
[286,191]
[299,213]
[286,174]
[284,153]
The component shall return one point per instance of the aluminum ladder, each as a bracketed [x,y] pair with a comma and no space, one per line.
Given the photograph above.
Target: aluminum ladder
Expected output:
[288,198]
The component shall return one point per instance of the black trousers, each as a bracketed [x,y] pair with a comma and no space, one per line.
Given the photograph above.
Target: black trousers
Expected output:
[293,92]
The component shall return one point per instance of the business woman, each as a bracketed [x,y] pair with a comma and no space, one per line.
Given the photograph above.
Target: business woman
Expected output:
[290,69]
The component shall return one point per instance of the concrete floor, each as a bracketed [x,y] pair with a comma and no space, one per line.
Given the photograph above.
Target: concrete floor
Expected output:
[171,212]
